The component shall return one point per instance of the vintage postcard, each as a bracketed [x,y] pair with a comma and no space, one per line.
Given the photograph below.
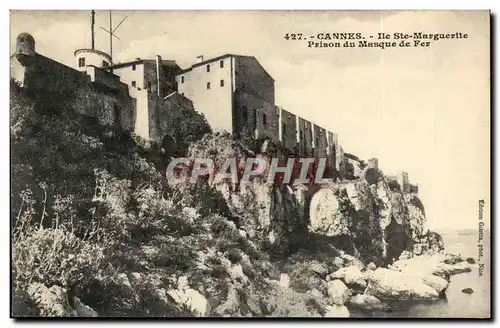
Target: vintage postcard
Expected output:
[252,164]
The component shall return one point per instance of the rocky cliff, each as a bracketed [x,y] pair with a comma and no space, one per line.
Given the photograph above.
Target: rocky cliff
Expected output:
[97,231]
[373,221]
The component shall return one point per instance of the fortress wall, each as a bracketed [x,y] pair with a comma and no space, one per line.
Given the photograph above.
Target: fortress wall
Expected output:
[257,107]
[110,108]
[58,87]
[162,111]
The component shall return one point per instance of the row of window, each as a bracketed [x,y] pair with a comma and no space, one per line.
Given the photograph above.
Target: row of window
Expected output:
[221,64]
[244,111]
[221,83]
[134,84]
[81,62]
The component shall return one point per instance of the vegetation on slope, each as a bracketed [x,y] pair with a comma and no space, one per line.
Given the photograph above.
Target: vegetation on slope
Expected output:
[94,223]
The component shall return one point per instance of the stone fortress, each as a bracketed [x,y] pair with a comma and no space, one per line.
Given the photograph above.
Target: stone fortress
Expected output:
[235,93]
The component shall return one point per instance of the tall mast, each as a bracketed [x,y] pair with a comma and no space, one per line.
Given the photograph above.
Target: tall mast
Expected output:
[92,23]
[112,34]
[111,40]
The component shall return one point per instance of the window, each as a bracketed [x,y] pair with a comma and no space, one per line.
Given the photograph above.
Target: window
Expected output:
[245,114]
[133,67]
[182,94]
[264,119]
[221,64]
[81,62]
[105,63]
[301,135]
[208,85]
[149,84]
[182,79]
[133,84]
[221,83]
[283,127]
[316,143]
[208,68]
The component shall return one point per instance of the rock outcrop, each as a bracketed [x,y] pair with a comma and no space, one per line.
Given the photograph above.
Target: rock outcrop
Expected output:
[54,302]
[194,300]
[393,285]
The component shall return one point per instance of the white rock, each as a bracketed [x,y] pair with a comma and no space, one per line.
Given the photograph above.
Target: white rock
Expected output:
[338,262]
[319,268]
[182,282]
[393,285]
[284,280]
[367,302]
[350,275]
[337,311]
[325,215]
[371,266]
[456,268]
[350,260]
[191,298]
[271,237]
[122,280]
[338,291]
[236,272]
[431,264]
[438,283]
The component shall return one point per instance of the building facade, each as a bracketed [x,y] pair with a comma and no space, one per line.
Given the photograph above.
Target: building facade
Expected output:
[155,75]
[235,93]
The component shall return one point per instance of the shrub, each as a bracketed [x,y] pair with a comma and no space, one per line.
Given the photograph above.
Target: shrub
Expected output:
[54,256]
[234,255]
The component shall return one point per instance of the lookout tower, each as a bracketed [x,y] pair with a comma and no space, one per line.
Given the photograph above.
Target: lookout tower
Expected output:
[25,48]
[91,57]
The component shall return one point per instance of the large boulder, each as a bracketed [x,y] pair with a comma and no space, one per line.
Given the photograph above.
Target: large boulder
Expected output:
[338,292]
[456,268]
[351,276]
[388,284]
[439,264]
[194,300]
[337,311]
[319,268]
[368,302]
[325,214]
[438,283]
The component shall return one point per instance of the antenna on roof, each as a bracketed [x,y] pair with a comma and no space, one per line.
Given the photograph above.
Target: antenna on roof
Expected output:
[92,23]
[200,58]
[111,33]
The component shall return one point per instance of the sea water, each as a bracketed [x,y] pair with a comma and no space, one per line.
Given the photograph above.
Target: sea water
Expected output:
[457,304]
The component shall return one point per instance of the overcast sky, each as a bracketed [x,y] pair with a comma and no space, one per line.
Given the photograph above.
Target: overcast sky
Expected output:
[421,110]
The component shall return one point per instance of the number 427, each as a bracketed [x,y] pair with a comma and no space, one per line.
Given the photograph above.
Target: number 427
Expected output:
[293,36]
